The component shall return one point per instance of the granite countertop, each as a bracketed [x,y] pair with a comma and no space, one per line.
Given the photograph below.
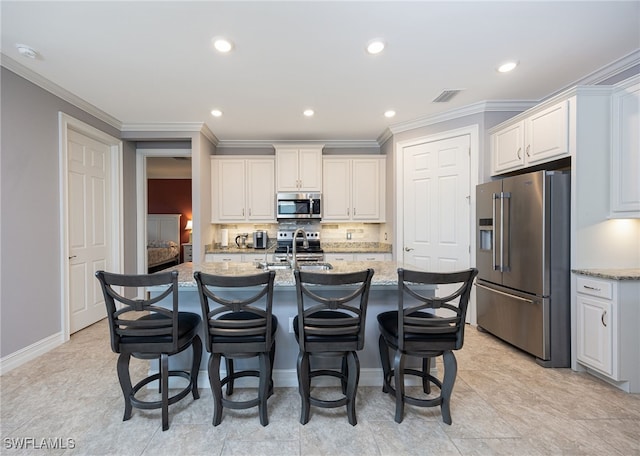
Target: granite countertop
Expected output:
[328,247]
[385,272]
[612,274]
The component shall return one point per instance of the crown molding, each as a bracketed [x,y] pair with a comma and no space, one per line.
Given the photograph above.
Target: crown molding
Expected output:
[622,64]
[33,77]
[132,130]
[264,143]
[475,108]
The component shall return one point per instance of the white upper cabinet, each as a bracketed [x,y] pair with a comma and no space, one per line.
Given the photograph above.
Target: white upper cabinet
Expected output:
[625,151]
[541,135]
[242,189]
[354,189]
[298,168]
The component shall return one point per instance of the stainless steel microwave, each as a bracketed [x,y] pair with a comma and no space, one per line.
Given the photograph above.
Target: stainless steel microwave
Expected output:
[299,206]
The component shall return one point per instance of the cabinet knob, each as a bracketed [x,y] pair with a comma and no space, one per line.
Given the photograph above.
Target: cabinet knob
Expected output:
[604,314]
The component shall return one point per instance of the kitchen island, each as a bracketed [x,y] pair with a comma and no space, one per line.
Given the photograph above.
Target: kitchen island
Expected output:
[382,297]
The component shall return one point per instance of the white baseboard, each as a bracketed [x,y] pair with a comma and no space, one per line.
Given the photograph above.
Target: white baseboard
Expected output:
[10,362]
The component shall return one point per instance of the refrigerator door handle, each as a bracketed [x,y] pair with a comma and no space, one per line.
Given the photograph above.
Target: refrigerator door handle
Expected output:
[505,228]
[493,290]
[494,263]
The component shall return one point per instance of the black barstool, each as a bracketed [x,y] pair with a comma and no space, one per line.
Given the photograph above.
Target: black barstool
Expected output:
[410,331]
[238,328]
[143,329]
[331,318]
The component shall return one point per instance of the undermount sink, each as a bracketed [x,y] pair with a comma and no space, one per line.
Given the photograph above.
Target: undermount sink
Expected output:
[301,266]
[274,266]
[314,266]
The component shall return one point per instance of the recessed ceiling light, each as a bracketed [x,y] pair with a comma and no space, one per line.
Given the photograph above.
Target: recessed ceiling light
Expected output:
[222,45]
[216,113]
[308,112]
[27,51]
[390,113]
[375,46]
[507,66]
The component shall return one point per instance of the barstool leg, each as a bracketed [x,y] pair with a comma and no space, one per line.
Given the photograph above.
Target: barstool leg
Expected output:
[195,366]
[353,378]
[450,371]
[125,383]
[272,357]
[216,387]
[304,382]
[386,365]
[230,372]
[164,379]
[398,368]
[263,387]
[426,369]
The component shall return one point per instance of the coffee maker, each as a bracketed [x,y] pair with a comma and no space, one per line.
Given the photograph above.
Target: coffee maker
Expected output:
[260,239]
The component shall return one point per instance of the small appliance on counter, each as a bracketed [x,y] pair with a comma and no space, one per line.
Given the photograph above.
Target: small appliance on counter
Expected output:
[260,239]
[241,240]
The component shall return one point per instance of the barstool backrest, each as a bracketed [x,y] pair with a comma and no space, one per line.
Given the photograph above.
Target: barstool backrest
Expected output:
[137,320]
[347,293]
[220,299]
[448,298]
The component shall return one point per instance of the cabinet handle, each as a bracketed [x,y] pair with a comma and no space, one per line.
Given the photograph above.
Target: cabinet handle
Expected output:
[528,147]
[591,288]
[408,249]
[354,211]
[519,150]
[348,211]
[243,212]
[73,256]
[249,212]
[604,314]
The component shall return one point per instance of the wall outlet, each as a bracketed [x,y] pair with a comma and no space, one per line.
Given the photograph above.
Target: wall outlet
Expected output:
[291,324]
[348,236]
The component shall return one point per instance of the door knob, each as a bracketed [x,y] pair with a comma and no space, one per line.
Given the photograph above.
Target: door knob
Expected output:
[408,249]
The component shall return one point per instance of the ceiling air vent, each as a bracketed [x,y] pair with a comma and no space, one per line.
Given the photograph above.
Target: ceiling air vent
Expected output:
[446,95]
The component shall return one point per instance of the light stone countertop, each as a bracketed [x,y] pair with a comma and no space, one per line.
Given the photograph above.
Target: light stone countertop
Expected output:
[612,274]
[328,247]
[385,272]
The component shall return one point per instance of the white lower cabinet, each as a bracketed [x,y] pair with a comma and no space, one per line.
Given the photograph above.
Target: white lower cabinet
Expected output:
[357,257]
[234,257]
[372,257]
[608,317]
[329,257]
[223,257]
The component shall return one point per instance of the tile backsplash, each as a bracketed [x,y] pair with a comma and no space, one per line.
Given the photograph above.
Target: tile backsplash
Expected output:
[330,232]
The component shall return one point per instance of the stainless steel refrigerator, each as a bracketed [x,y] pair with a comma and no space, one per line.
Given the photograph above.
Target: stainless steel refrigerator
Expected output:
[523,285]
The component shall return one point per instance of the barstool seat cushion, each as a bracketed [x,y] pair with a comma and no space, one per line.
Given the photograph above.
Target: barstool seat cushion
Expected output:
[188,325]
[331,315]
[244,316]
[388,323]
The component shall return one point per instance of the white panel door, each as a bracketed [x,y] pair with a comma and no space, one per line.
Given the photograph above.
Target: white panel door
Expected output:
[437,226]
[88,227]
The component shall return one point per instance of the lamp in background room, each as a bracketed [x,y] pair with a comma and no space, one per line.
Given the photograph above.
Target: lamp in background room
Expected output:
[189,227]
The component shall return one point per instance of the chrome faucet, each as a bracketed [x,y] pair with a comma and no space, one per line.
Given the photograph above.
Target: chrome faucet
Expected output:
[305,244]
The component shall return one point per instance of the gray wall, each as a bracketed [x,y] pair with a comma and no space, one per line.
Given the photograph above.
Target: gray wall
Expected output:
[30,293]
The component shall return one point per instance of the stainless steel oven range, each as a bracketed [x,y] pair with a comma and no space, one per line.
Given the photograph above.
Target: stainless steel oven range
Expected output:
[284,248]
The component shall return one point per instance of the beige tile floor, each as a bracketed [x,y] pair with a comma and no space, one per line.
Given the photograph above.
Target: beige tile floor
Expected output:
[503,403]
